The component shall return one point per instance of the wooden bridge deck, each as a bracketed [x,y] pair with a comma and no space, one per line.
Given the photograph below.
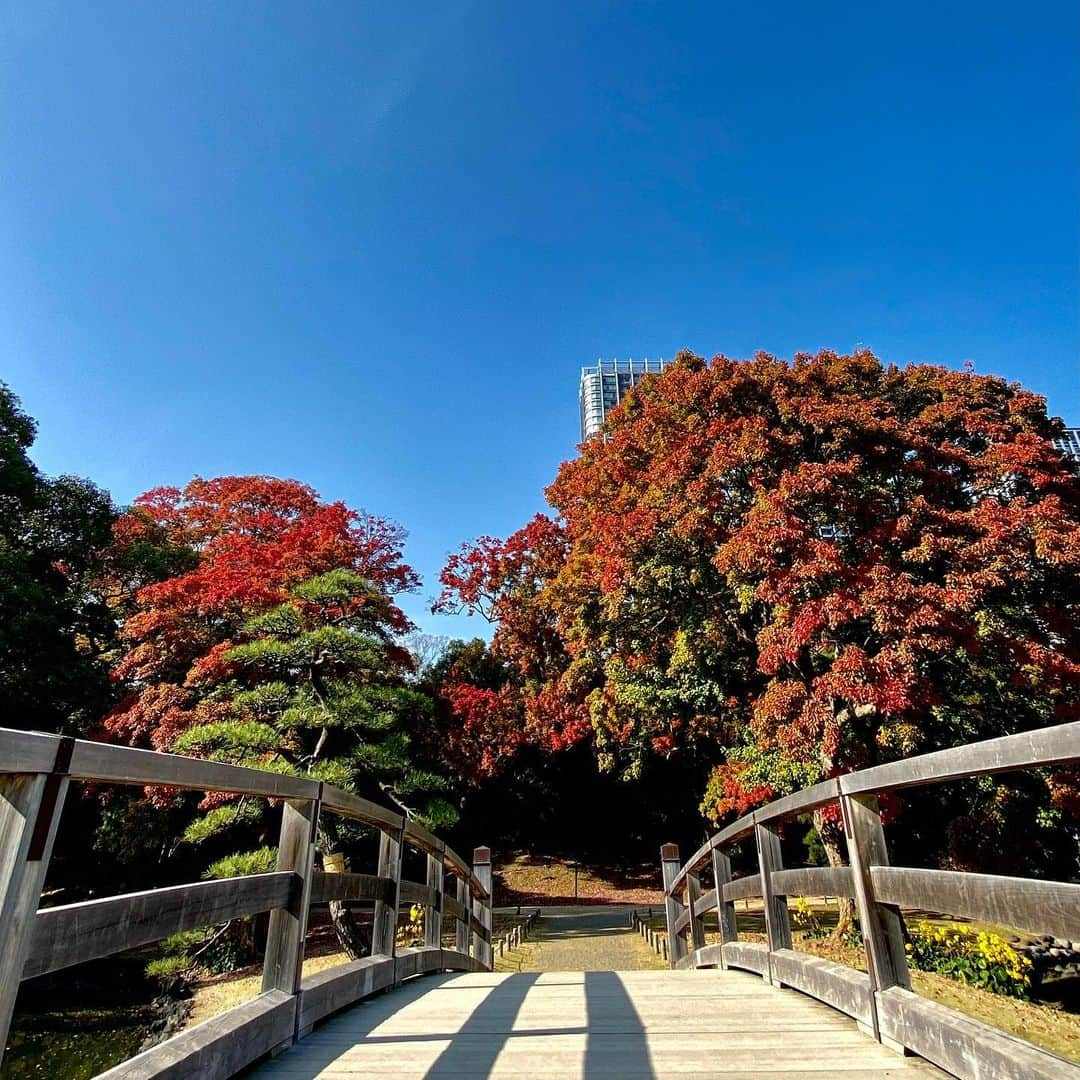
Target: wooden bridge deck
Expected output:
[629,1025]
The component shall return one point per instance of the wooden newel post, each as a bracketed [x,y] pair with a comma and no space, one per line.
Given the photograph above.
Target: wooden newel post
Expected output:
[283,961]
[30,805]
[384,927]
[670,866]
[482,869]
[882,924]
[777,920]
[725,909]
[433,915]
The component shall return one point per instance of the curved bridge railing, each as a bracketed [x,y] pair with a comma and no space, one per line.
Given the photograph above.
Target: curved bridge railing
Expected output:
[880,999]
[35,772]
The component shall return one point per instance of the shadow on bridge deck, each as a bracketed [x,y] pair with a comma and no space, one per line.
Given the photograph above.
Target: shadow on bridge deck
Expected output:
[642,1025]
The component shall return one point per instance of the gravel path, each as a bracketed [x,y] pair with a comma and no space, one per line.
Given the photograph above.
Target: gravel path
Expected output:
[582,941]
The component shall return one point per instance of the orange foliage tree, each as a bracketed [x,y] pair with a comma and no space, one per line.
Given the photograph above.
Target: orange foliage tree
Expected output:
[800,568]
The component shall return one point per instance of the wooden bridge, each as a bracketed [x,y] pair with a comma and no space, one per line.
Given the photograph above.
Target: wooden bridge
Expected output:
[729,1008]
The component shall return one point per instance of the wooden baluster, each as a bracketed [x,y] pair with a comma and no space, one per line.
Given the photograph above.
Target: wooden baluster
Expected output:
[433,915]
[30,805]
[482,870]
[777,921]
[461,926]
[882,924]
[725,909]
[670,866]
[384,928]
[691,895]
[283,961]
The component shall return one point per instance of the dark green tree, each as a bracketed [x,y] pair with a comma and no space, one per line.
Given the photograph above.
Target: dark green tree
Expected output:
[54,628]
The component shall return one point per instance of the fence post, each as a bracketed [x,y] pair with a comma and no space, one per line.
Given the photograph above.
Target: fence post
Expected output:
[283,961]
[30,805]
[882,925]
[384,926]
[482,870]
[691,895]
[461,925]
[433,915]
[777,921]
[725,909]
[669,865]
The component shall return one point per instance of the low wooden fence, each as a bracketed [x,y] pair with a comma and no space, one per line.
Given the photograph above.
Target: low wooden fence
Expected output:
[35,772]
[880,999]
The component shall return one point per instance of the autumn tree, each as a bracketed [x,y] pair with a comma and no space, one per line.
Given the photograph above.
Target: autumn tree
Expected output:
[53,627]
[278,647]
[799,569]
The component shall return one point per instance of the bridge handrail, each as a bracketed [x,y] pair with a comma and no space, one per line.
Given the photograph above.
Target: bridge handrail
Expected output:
[880,999]
[35,772]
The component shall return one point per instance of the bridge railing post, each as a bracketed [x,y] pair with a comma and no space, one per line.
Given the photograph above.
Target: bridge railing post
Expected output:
[433,915]
[696,928]
[669,864]
[283,960]
[30,805]
[881,924]
[461,925]
[777,919]
[725,909]
[482,869]
[384,924]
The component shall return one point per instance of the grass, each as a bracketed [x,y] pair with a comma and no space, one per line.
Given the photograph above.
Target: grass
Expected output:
[527,879]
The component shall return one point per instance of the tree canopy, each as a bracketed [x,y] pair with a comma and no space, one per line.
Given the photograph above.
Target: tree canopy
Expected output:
[798,569]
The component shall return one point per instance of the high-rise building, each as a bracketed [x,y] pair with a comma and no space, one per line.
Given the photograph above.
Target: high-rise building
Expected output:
[604,386]
[1069,443]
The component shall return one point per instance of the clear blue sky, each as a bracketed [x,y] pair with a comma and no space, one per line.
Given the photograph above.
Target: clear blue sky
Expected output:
[370,245]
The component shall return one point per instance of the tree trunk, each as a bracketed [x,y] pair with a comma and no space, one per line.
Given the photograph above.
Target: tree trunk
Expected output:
[832,840]
[353,937]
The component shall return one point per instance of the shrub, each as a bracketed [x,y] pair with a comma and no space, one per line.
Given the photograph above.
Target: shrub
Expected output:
[976,957]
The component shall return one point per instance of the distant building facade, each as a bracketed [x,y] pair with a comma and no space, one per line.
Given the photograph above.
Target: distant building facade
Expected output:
[1069,443]
[604,386]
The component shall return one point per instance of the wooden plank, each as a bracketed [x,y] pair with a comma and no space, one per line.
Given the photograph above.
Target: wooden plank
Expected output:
[327,887]
[433,913]
[384,925]
[452,906]
[461,933]
[283,960]
[422,838]
[814,881]
[743,888]
[735,831]
[412,892]
[964,1047]
[673,908]
[219,1047]
[25,810]
[725,909]
[75,933]
[455,863]
[352,806]
[328,991]
[777,919]
[881,923]
[748,955]
[1044,907]
[705,902]
[708,956]
[27,751]
[800,802]
[692,895]
[1027,750]
[127,765]
[841,987]
[738,829]
[682,922]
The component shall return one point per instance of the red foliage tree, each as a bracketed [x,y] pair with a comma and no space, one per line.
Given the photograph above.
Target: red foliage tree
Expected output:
[249,540]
